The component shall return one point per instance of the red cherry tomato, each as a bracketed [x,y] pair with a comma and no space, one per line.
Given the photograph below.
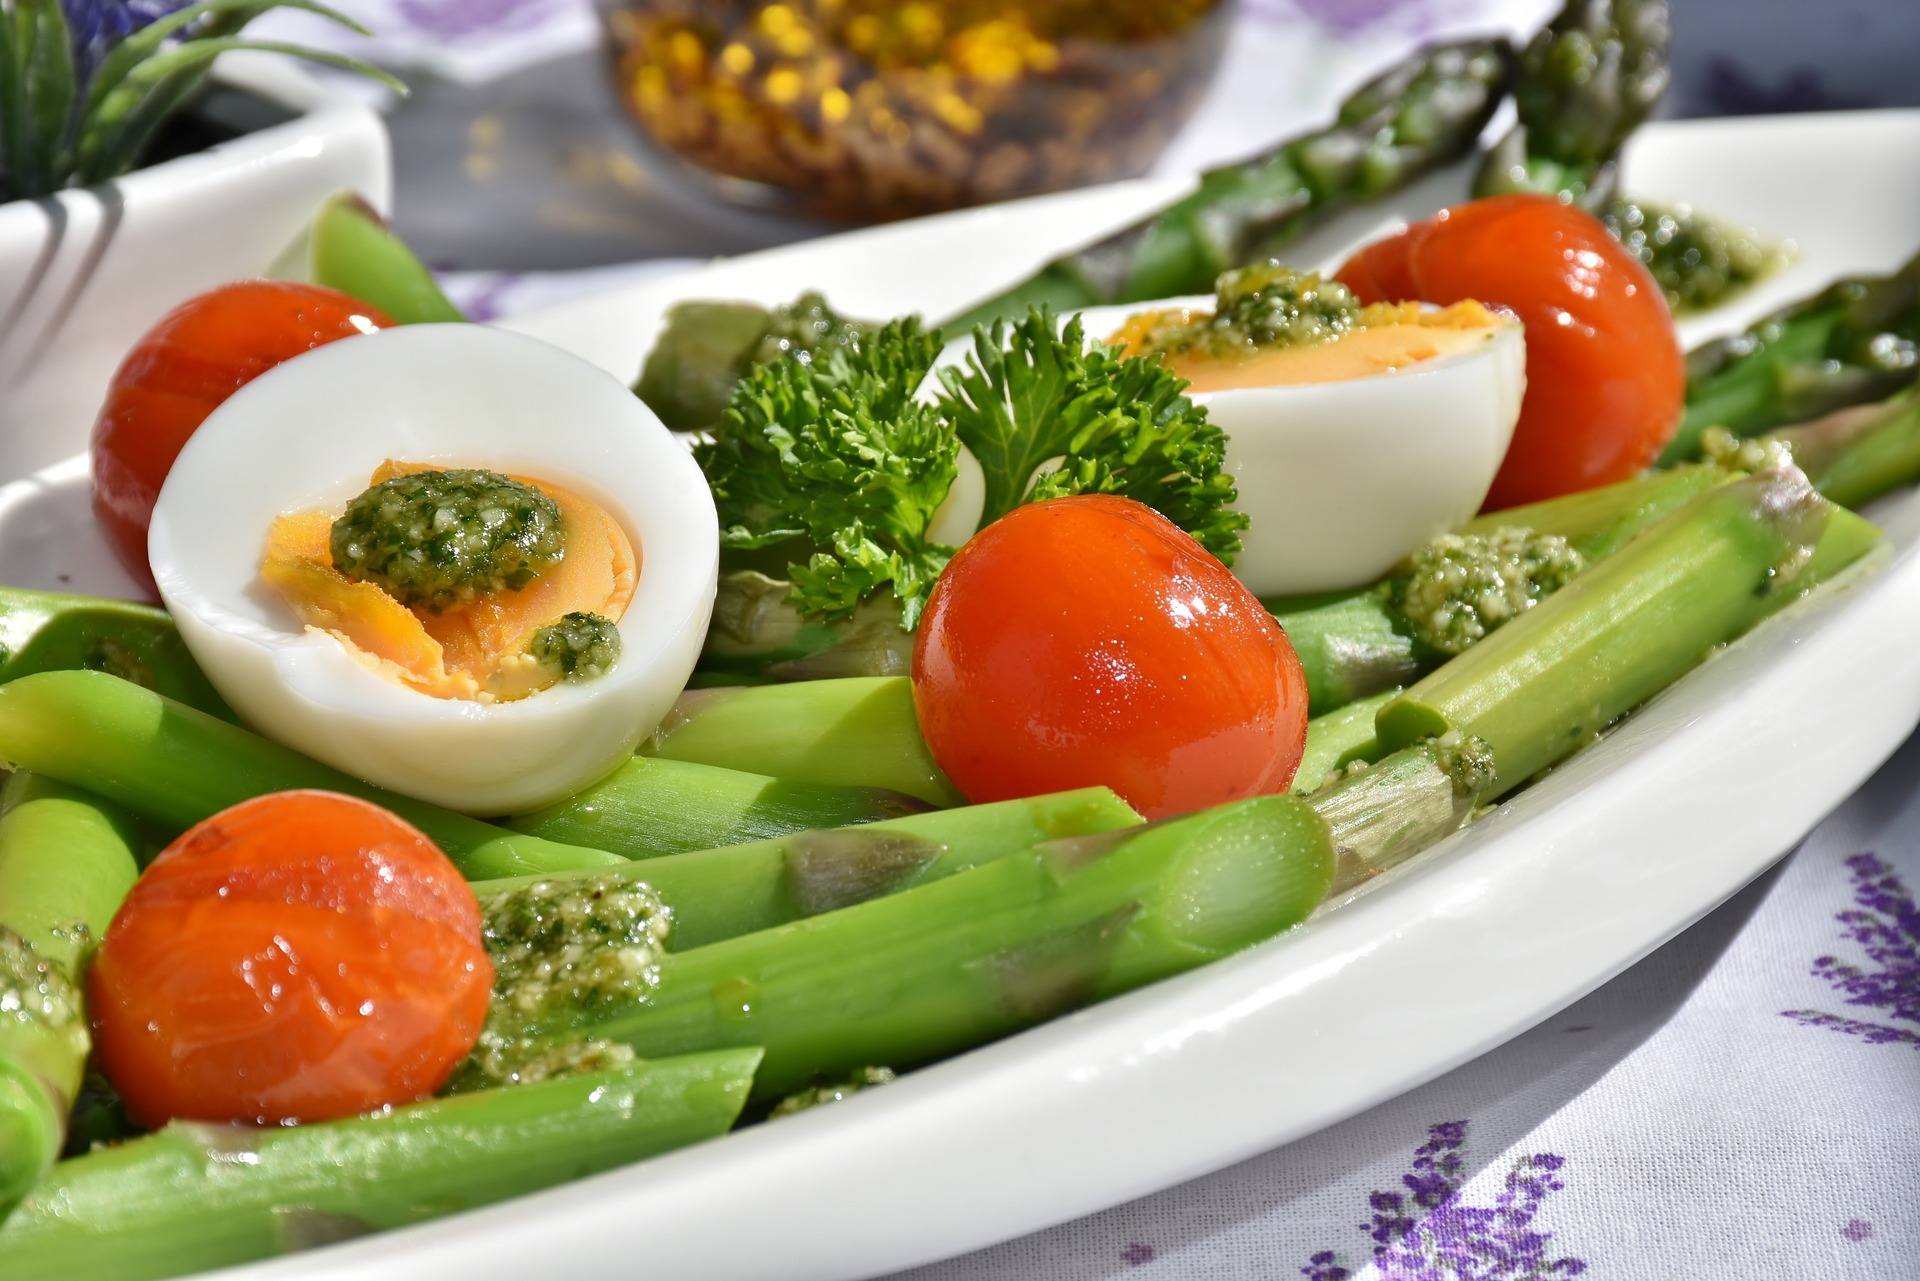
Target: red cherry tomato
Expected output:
[198,355]
[1089,640]
[300,956]
[1606,377]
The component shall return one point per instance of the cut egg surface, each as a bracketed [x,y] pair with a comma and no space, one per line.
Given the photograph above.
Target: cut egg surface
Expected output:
[1350,453]
[268,469]
[1347,454]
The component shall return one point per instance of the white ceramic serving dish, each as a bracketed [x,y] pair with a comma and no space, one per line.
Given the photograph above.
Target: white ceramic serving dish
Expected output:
[85,273]
[1419,971]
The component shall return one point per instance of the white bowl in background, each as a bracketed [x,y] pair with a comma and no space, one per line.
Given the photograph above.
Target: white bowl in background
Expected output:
[84,273]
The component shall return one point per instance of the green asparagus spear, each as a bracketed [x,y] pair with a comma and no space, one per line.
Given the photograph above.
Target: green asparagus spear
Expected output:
[1584,82]
[1856,455]
[1420,114]
[50,631]
[709,346]
[1538,688]
[175,766]
[195,1197]
[1334,738]
[1384,814]
[721,893]
[757,633]
[652,806]
[1359,642]
[938,969]
[66,861]
[1856,341]
[354,251]
[851,732]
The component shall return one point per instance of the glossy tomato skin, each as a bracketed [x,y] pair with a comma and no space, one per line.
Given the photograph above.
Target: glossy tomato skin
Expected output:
[298,957]
[1606,376]
[199,354]
[1089,641]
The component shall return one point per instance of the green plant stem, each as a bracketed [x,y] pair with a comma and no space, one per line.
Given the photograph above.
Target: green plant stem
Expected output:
[197,1197]
[1422,113]
[1386,813]
[722,893]
[1853,342]
[1584,83]
[354,251]
[652,806]
[1856,455]
[66,862]
[175,766]
[913,976]
[850,732]
[1598,522]
[1334,738]
[51,631]
[1547,682]
[1351,644]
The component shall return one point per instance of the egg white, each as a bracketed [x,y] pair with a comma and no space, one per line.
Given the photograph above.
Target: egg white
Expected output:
[1339,480]
[309,433]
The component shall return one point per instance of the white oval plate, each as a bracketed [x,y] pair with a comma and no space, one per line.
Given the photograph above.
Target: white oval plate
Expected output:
[1423,969]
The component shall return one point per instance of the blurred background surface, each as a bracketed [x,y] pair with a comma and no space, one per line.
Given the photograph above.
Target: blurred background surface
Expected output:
[515,154]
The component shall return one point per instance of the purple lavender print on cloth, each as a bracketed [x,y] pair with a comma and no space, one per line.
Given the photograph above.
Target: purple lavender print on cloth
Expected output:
[457,19]
[1427,1231]
[1886,925]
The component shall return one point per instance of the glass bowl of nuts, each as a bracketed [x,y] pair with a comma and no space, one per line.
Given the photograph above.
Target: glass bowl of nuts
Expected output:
[866,110]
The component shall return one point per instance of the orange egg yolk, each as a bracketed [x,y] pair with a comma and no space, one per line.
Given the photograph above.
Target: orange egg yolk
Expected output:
[477,650]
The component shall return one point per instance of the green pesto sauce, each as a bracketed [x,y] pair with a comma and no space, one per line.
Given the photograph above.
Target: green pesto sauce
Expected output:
[1698,261]
[863,1079]
[1261,307]
[38,996]
[1460,587]
[576,647]
[561,949]
[805,328]
[443,538]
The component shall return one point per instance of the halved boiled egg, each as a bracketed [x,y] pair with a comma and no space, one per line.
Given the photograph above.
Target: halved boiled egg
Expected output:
[438,697]
[1354,450]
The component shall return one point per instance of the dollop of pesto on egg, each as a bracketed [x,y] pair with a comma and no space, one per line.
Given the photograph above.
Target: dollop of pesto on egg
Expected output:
[436,539]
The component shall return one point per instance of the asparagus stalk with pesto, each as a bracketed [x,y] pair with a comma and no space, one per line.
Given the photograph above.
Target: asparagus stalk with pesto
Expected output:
[195,1197]
[1534,691]
[943,967]
[652,806]
[1355,643]
[1422,113]
[849,732]
[1854,342]
[66,862]
[52,631]
[354,251]
[175,766]
[720,893]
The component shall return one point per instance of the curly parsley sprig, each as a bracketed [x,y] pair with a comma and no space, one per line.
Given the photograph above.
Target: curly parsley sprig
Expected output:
[1032,392]
[838,456]
[837,452]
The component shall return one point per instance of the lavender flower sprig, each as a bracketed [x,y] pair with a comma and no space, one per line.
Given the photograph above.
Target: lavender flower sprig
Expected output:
[85,84]
[1886,925]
